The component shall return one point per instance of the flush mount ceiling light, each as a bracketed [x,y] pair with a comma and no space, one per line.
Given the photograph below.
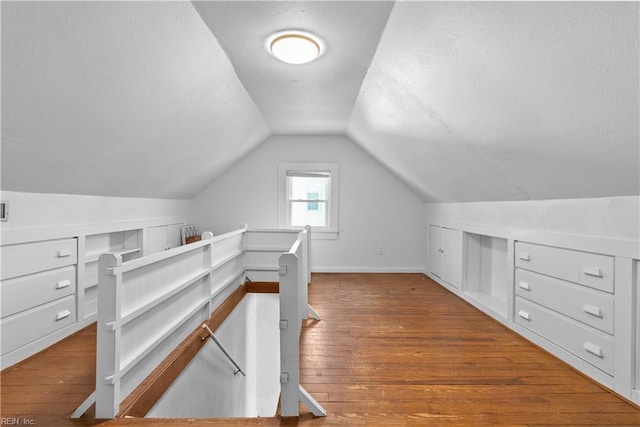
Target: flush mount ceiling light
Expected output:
[294,47]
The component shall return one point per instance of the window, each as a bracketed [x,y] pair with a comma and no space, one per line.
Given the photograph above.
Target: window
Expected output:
[309,196]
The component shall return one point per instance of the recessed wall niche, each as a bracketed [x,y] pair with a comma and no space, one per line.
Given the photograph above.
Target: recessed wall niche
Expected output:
[486,272]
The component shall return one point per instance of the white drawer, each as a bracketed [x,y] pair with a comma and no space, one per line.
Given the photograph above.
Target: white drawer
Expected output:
[589,306]
[27,258]
[32,290]
[593,270]
[588,344]
[30,325]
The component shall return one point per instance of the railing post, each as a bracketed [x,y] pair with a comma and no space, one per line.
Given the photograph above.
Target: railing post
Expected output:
[306,309]
[308,255]
[109,332]
[208,286]
[289,336]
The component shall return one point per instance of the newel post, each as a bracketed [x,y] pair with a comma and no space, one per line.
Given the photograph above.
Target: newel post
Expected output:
[290,324]
[109,337]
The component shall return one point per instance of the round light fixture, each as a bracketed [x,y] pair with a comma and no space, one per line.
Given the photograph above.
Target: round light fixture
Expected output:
[294,47]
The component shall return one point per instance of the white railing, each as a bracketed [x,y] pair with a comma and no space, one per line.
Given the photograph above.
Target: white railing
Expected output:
[294,308]
[147,306]
[264,247]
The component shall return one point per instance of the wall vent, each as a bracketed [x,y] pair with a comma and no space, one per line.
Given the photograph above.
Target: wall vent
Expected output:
[4,211]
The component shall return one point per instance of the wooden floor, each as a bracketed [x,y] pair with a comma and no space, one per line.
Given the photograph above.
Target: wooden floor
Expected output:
[391,350]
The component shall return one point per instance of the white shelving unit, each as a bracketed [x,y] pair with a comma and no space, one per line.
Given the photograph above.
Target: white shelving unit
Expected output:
[558,290]
[73,270]
[487,278]
[127,243]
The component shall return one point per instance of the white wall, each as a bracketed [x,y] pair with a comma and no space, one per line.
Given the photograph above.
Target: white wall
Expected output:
[44,210]
[612,217]
[375,208]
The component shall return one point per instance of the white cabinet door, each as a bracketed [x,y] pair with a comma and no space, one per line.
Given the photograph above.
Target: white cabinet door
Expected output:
[173,236]
[435,250]
[445,254]
[162,238]
[156,240]
[451,256]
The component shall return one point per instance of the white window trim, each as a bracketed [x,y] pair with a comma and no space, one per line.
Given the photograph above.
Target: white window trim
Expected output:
[330,232]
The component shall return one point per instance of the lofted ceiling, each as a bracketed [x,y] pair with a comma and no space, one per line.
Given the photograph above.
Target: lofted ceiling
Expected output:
[476,101]
[119,99]
[314,98]
[462,101]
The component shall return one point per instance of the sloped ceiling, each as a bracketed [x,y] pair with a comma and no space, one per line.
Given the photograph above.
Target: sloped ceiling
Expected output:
[118,99]
[505,101]
[463,101]
[314,98]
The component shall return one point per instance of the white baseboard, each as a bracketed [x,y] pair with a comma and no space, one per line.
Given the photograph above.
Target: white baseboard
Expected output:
[368,270]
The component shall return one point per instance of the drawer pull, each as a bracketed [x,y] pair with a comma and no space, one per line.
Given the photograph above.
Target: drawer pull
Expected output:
[524,257]
[593,349]
[592,310]
[63,315]
[524,285]
[592,271]
[524,315]
[63,253]
[63,284]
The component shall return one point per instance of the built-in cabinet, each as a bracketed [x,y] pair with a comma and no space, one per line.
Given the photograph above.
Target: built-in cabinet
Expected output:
[445,254]
[575,296]
[50,278]
[486,275]
[576,314]
[162,238]
[39,283]
[127,243]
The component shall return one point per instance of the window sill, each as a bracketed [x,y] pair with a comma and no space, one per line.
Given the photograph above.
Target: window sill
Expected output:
[324,235]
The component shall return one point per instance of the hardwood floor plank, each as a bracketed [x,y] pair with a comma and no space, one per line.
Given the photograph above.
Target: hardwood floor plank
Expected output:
[391,350]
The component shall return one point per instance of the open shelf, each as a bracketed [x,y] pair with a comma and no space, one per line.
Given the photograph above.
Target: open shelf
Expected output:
[487,265]
[127,243]
[124,252]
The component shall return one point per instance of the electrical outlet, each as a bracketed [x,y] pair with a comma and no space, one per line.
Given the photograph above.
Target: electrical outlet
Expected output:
[380,249]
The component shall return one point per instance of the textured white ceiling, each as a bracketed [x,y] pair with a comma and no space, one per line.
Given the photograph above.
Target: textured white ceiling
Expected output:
[505,101]
[313,98]
[463,101]
[118,98]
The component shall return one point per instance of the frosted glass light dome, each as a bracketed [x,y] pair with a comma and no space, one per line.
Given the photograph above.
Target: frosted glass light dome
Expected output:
[294,47]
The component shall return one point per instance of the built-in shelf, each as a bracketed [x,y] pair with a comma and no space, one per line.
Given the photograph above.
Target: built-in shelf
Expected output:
[268,249]
[492,302]
[486,272]
[261,268]
[123,252]
[127,243]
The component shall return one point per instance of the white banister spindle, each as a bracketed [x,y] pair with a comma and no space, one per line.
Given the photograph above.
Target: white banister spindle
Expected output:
[109,337]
